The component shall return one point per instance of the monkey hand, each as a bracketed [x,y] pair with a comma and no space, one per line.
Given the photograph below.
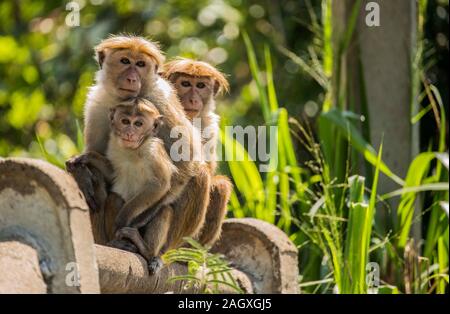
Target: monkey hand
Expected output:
[122,218]
[85,179]
[77,161]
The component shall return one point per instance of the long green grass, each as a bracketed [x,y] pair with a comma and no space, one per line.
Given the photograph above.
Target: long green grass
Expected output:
[327,203]
[325,207]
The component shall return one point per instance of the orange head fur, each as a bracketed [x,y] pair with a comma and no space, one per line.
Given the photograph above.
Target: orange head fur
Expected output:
[196,68]
[133,43]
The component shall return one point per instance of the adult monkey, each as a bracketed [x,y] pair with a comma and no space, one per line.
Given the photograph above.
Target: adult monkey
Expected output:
[128,68]
[197,84]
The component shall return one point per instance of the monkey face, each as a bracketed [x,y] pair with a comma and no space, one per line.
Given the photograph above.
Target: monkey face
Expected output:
[132,124]
[127,72]
[194,92]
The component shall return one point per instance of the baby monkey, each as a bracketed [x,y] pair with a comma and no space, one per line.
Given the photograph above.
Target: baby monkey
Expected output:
[139,170]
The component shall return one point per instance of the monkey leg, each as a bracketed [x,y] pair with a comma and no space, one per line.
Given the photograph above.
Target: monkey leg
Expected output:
[122,239]
[102,220]
[155,236]
[98,226]
[113,204]
[98,216]
[155,233]
[220,194]
[189,209]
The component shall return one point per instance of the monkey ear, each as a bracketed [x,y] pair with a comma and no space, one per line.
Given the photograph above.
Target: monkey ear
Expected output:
[157,124]
[217,88]
[100,57]
[156,69]
[173,77]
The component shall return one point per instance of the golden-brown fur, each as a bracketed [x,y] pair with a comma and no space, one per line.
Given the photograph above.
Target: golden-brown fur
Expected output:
[195,68]
[132,43]
[197,84]
[188,184]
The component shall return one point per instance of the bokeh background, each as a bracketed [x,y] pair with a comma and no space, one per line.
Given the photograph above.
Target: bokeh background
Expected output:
[46,67]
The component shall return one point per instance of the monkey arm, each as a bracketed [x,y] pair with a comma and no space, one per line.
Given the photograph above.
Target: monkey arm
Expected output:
[85,180]
[92,171]
[142,202]
[101,163]
[97,128]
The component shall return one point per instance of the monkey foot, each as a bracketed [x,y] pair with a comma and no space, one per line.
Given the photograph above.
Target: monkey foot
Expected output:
[154,265]
[123,244]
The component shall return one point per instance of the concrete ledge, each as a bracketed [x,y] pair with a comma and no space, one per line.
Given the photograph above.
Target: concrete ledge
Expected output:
[24,275]
[125,272]
[263,252]
[47,246]
[42,207]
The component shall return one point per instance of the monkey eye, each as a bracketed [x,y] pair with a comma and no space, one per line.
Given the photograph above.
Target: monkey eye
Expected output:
[125,121]
[185,83]
[125,61]
[140,64]
[201,85]
[138,124]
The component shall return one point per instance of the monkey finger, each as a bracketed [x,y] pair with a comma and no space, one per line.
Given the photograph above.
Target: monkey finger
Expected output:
[88,191]
[89,183]
[83,177]
[89,195]
[92,203]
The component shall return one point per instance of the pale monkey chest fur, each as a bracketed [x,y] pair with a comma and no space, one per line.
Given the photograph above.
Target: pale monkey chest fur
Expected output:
[131,171]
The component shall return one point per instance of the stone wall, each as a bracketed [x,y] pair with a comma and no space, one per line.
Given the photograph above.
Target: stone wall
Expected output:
[46,244]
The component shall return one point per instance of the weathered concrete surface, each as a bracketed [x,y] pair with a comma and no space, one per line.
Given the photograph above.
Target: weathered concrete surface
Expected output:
[263,252]
[23,274]
[41,206]
[125,272]
[45,230]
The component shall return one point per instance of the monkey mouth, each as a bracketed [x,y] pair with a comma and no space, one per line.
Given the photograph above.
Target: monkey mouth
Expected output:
[129,143]
[129,90]
[191,111]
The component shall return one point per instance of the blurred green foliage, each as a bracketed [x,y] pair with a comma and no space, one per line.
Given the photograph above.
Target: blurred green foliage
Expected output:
[46,65]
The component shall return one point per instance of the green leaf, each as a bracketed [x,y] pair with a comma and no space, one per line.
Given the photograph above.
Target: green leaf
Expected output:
[417,172]
[350,132]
